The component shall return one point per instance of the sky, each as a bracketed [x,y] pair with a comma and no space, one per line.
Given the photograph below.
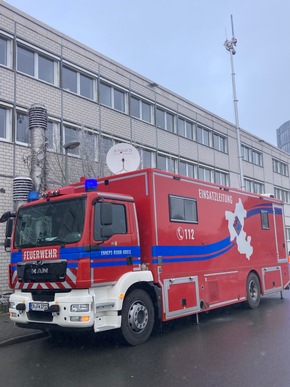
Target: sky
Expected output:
[179,44]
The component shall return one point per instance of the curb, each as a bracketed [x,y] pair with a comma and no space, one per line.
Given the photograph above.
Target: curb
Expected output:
[22,339]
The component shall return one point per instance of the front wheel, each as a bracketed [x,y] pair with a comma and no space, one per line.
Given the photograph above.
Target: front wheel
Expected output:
[137,317]
[253,291]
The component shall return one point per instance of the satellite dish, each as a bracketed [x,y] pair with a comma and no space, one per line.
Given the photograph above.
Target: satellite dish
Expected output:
[123,158]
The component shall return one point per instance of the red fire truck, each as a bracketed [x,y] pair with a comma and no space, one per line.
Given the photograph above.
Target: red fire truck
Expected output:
[129,249]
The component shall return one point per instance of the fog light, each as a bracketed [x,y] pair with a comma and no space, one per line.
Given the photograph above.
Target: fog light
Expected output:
[12,314]
[80,308]
[80,318]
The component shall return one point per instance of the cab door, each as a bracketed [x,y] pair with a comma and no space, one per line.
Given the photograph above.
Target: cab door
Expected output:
[116,238]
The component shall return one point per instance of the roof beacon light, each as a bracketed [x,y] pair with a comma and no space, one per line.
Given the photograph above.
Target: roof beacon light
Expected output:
[32,196]
[91,185]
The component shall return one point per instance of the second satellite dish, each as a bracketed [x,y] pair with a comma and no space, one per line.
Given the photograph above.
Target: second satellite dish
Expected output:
[123,158]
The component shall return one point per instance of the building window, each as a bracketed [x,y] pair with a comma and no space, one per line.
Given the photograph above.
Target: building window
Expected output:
[220,142]
[203,136]
[254,186]
[185,128]
[165,120]
[23,134]
[3,51]
[25,60]
[77,82]
[182,209]
[37,65]
[166,163]
[288,233]
[187,169]
[106,144]
[206,174]
[280,167]
[141,109]
[52,135]
[119,100]
[69,79]
[252,155]
[113,97]
[221,178]
[147,158]
[45,69]
[72,134]
[4,123]
[86,86]
[282,194]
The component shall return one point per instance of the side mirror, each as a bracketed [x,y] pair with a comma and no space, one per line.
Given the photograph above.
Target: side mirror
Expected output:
[8,234]
[9,227]
[7,215]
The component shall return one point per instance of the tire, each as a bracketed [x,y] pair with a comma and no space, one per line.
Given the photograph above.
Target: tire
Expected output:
[253,291]
[137,317]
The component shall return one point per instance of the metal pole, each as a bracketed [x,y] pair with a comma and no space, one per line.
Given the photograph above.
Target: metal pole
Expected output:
[229,45]
[66,166]
[67,146]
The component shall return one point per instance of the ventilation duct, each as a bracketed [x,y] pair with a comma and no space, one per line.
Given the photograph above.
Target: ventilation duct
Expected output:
[38,126]
[21,187]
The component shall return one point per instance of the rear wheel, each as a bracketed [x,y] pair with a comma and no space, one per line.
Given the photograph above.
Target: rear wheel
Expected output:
[137,317]
[253,291]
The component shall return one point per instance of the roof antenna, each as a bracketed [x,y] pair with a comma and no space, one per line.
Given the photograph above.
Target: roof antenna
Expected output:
[230,46]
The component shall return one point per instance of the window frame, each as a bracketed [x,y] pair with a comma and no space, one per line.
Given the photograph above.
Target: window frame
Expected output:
[184,200]
[265,225]
[26,133]
[36,54]
[115,215]
[8,39]
[139,105]
[76,86]
[7,120]
[112,89]
[170,162]
[280,167]
[252,185]
[165,119]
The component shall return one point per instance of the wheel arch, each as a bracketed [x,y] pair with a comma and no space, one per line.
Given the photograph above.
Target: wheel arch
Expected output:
[153,291]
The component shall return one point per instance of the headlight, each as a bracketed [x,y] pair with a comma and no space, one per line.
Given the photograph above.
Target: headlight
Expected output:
[80,308]
[12,305]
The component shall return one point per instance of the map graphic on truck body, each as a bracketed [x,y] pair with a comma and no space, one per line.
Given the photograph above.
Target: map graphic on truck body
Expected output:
[236,222]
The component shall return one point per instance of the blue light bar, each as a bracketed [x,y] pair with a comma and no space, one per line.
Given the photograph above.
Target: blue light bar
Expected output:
[91,185]
[32,196]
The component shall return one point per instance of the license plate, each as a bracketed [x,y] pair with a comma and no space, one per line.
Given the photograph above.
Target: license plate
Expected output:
[39,306]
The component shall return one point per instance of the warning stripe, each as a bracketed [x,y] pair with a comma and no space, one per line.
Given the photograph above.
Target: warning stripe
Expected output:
[70,283]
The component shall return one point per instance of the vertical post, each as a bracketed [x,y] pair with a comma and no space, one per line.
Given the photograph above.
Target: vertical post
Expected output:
[67,146]
[229,45]
[66,166]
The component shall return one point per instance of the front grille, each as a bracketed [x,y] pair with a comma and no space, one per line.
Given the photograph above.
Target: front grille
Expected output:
[42,271]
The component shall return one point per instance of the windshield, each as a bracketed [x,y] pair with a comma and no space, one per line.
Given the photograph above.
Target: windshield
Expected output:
[50,223]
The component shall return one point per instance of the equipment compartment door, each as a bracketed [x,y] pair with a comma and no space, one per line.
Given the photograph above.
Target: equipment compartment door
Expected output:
[279,233]
[181,296]
[272,279]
